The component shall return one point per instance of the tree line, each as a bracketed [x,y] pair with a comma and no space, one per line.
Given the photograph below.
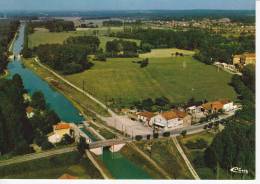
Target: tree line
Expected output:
[52,25]
[210,47]
[235,145]
[121,48]
[7,32]
[17,132]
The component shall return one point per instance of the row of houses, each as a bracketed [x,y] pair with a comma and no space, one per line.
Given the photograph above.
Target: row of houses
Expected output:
[184,118]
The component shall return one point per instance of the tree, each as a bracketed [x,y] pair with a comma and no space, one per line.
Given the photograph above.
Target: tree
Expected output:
[248,76]
[66,140]
[82,146]
[38,101]
[183,133]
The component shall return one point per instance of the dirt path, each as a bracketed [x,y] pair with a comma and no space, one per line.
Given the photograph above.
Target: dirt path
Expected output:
[192,170]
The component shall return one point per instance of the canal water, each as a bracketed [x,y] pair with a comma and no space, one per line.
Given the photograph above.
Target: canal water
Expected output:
[118,165]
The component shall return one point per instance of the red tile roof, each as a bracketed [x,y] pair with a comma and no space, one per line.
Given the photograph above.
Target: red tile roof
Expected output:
[67,176]
[29,109]
[148,115]
[169,115]
[61,126]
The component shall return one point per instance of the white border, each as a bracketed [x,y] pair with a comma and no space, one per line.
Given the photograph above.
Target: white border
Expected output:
[175,181]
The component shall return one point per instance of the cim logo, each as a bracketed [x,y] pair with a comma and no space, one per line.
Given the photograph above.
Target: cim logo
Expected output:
[239,170]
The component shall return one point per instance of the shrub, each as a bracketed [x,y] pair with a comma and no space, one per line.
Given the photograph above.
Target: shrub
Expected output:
[148,137]
[166,134]
[138,137]
[155,135]
[199,144]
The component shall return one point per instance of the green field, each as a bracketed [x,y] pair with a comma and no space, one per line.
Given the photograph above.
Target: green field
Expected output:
[41,36]
[165,53]
[178,79]
[52,168]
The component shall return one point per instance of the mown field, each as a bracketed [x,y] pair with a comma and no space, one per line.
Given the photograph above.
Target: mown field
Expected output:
[52,168]
[41,36]
[178,78]
[165,53]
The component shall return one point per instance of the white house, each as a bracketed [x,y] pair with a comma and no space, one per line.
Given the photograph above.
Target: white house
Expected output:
[171,119]
[59,131]
[227,105]
[29,112]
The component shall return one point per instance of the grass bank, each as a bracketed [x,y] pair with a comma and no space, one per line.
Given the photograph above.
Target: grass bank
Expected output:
[139,160]
[166,155]
[79,100]
[52,168]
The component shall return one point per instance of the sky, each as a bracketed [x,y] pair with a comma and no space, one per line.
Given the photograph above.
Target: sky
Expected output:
[125,4]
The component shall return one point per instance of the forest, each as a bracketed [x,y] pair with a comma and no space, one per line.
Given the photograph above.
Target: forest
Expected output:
[209,47]
[52,25]
[7,32]
[235,145]
[17,132]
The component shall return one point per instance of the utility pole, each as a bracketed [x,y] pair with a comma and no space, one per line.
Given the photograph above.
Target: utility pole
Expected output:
[83,85]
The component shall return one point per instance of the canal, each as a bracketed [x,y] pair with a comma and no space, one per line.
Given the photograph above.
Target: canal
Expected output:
[119,166]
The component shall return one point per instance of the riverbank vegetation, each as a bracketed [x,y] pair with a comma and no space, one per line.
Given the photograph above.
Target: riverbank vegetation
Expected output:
[7,33]
[17,130]
[139,160]
[82,102]
[165,154]
[52,168]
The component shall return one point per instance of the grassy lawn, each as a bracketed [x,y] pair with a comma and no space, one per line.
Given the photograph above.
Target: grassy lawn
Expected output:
[51,168]
[165,154]
[178,79]
[165,53]
[41,36]
[79,100]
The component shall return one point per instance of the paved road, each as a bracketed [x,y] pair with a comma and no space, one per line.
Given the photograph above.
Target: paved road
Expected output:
[29,157]
[192,170]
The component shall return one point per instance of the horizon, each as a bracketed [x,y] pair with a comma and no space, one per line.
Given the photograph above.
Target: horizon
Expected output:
[125,5]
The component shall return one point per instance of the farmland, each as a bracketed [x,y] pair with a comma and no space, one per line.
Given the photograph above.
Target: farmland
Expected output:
[42,36]
[177,78]
[121,82]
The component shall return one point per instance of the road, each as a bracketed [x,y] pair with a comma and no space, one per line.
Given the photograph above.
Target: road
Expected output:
[186,160]
[33,156]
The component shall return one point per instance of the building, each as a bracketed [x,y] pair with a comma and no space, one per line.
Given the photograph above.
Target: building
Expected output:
[59,131]
[67,176]
[244,59]
[212,107]
[29,112]
[145,117]
[227,105]
[216,106]
[171,119]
